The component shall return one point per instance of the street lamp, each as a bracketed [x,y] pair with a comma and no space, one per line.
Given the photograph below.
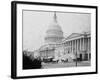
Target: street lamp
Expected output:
[76,58]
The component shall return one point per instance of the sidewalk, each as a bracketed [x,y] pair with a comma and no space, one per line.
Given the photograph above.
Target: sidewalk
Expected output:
[67,64]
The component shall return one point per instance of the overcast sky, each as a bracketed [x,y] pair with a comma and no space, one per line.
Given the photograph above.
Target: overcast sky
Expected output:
[35,24]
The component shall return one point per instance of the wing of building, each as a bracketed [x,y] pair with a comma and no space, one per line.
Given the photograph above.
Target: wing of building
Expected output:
[79,44]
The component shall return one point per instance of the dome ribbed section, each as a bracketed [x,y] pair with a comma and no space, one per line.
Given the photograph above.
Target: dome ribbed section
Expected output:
[54,33]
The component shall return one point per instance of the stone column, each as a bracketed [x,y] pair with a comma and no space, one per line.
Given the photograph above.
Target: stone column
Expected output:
[83,44]
[83,47]
[80,44]
[75,46]
[88,47]
[72,46]
[69,46]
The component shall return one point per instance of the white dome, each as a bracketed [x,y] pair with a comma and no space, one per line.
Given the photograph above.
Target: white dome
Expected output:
[54,26]
[54,32]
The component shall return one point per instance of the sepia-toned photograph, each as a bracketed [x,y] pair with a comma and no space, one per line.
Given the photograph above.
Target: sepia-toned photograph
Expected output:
[56,39]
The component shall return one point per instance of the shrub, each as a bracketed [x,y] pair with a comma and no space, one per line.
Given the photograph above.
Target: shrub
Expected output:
[29,63]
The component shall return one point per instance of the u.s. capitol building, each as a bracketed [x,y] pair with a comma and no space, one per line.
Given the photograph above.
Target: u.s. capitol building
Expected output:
[58,47]
[76,45]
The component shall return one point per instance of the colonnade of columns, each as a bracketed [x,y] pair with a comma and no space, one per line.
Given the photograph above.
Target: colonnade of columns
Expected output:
[80,46]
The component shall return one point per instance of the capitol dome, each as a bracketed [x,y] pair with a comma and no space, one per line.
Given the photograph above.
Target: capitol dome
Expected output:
[54,33]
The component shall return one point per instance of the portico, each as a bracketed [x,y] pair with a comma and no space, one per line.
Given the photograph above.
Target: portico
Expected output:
[79,44]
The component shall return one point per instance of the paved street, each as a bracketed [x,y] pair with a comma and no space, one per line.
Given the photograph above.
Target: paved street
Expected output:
[67,64]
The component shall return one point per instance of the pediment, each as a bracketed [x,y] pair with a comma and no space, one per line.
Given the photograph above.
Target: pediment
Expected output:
[74,35]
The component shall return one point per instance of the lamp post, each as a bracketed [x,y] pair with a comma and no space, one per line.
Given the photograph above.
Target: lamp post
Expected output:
[76,59]
[76,56]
